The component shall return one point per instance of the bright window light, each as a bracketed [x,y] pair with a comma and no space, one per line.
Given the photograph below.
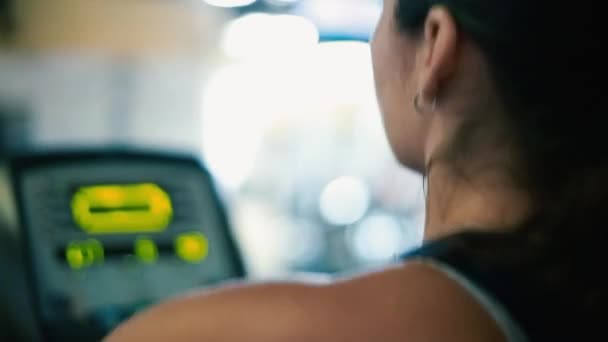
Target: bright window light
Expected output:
[242,102]
[229,3]
[233,123]
[261,35]
[281,2]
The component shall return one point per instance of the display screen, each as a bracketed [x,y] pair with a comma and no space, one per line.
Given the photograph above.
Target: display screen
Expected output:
[122,208]
[110,234]
[191,247]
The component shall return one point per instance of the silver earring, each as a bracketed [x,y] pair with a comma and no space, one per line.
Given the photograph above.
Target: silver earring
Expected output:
[421,109]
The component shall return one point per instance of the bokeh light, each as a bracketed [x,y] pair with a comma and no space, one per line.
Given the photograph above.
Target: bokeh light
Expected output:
[378,238]
[344,201]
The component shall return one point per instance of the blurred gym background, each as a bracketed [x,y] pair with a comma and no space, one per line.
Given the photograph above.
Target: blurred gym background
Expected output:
[276,96]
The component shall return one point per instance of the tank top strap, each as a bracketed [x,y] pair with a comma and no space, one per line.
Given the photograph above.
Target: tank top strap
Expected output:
[522,308]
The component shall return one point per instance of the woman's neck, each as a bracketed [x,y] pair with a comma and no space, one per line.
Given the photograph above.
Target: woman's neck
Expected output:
[488,202]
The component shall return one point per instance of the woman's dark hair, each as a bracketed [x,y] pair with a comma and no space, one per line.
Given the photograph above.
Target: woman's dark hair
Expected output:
[544,57]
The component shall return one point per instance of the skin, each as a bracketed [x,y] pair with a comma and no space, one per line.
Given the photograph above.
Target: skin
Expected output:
[409,302]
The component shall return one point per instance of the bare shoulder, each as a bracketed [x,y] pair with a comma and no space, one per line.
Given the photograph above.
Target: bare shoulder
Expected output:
[413,302]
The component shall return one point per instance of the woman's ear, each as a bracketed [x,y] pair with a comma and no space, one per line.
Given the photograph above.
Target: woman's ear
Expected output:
[439,53]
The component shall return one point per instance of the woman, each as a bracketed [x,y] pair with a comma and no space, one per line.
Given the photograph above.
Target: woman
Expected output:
[492,100]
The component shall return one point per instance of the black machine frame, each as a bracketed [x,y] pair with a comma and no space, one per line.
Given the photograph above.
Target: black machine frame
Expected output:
[18,164]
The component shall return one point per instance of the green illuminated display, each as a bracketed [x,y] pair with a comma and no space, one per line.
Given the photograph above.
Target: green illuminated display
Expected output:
[146,250]
[192,247]
[116,209]
[81,254]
